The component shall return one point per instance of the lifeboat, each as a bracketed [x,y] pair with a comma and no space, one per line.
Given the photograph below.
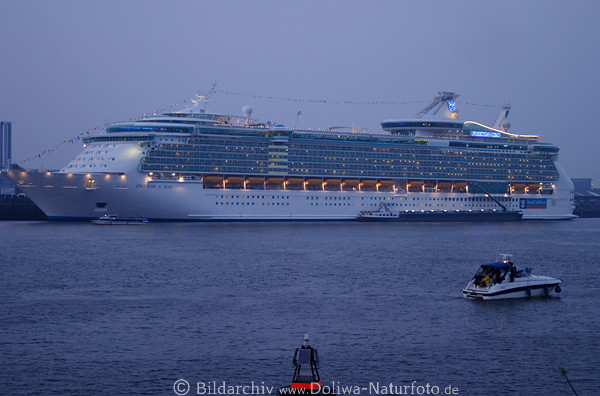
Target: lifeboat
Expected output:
[332,184]
[517,188]
[459,187]
[294,183]
[255,180]
[314,181]
[444,186]
[351,182]
[234,179]
[306,380]
[415,186]
[213,179]
[368,185]
[385,185]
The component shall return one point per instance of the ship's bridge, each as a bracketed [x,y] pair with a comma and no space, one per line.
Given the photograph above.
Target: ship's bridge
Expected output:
[186,123]
[447,129]
[148,128]
[422,127]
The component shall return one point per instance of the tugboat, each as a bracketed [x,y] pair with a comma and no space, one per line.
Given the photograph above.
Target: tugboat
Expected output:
[386,212]
[503,279]
[306,380]
[440,216]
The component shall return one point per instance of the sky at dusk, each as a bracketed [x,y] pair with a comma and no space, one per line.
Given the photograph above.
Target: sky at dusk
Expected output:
[70,66]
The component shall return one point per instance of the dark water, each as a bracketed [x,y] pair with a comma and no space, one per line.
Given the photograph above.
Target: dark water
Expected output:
[88,309]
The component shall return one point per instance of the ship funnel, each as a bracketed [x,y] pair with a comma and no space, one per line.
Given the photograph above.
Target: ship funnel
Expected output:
[501,122]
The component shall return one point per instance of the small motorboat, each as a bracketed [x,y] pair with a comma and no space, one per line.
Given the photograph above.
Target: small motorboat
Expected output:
[306,380]
[503,279]
[116,220]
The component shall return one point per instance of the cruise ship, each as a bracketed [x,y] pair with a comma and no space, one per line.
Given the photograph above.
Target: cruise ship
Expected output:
[192,165]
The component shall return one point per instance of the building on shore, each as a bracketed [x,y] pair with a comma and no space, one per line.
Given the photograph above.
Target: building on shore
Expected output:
[587,198]
[6,186]
[5,144]
[583,184]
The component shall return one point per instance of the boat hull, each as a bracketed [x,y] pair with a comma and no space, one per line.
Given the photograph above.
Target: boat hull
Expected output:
[518,291]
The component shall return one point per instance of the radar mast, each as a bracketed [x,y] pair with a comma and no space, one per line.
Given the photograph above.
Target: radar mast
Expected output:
[201,99]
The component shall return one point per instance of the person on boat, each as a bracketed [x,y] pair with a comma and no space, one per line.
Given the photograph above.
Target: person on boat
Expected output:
[495,276]
[487,280]
[511,270]
[479,280]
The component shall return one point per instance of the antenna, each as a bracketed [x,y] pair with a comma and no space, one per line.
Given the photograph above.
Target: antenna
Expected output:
[247,110]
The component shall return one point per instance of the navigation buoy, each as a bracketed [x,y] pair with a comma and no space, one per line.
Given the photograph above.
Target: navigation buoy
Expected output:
[306,380]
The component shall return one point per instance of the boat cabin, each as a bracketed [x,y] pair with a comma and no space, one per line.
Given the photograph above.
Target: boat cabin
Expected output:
[495,273]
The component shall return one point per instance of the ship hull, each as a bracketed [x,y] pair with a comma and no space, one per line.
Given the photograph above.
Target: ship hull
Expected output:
[71,197]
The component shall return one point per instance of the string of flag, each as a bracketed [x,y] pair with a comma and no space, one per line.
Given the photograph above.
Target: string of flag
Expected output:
[72,140]
[79,137]
[479,104]
[354,102]
[323,101]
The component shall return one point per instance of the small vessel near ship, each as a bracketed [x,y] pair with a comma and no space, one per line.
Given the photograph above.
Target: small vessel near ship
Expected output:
[306,379]
[470,216]
[502,279]
[116,220]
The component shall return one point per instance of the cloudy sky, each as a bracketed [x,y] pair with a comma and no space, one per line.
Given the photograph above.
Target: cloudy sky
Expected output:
[70,66]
